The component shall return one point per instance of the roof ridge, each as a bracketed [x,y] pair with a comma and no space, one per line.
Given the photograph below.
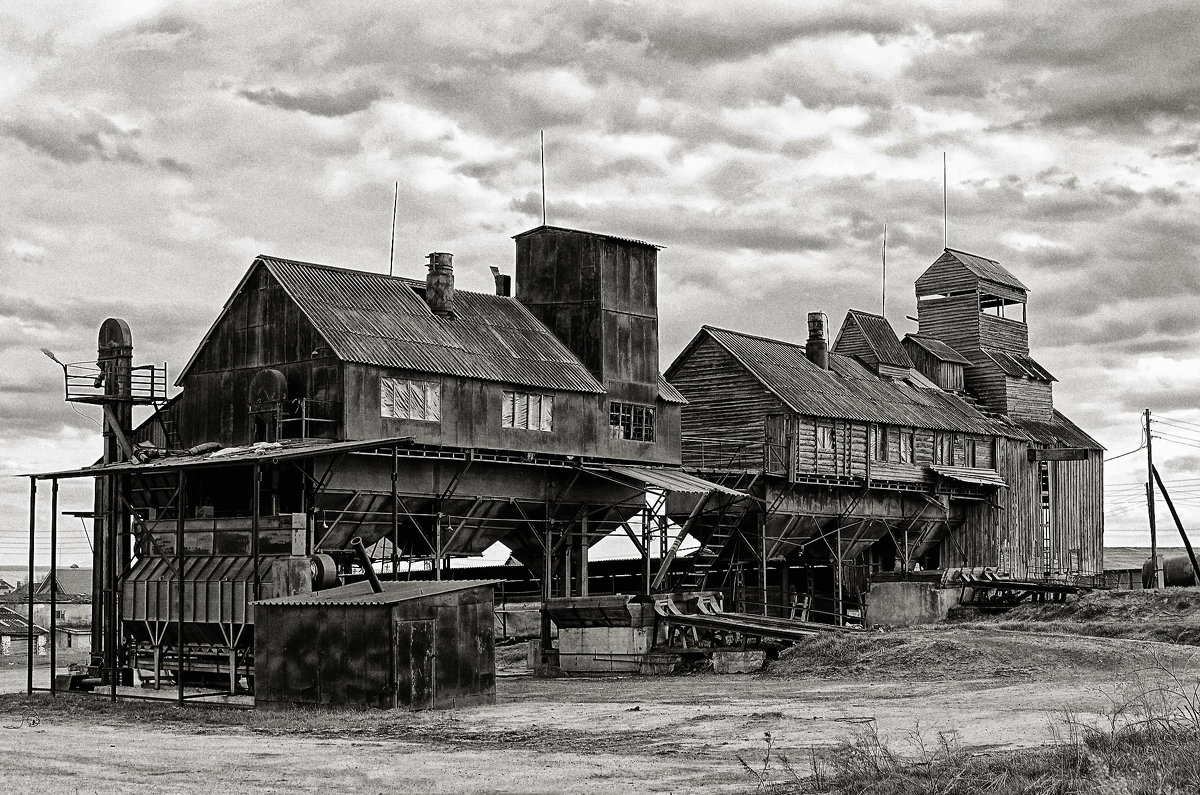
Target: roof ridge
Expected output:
[752,336]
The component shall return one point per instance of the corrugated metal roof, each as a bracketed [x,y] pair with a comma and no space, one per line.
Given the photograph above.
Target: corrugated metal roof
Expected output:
[672,480]
[360,593]
[986,268]
[545,228]
[381,320]
[1018,365]
[1058,431]
[669,393]
[938,349]
[282,450]
[881,338]
[13,623]
[848,390]
[973,475]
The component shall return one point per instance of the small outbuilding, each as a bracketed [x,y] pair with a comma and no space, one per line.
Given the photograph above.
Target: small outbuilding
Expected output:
[418,645]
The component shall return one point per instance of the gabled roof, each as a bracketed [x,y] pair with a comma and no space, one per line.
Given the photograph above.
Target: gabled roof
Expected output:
[985,268]
[13,623]
[937,349]
[1058,431]
[877,335]
[376,319]
[847,390]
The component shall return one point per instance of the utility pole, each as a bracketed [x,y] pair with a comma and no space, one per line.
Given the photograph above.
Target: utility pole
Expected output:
[1158,572]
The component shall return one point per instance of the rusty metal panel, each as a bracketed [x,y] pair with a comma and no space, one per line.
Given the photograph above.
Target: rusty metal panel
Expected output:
[413,659]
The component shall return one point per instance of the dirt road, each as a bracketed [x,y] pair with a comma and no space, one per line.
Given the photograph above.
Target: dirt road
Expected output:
[566,735]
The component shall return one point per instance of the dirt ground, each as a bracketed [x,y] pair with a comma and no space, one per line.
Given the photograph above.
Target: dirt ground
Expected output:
[986,684]
[984,688]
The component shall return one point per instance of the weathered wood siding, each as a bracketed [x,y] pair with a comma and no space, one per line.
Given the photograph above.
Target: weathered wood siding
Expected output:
[1028,398]
[1003,333]
[263,328]
[851,341]
[1077,491]
[947,375]
[724,401]
[954,321]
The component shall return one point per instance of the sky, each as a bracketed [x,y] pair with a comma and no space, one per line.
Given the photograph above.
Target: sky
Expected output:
[150,150]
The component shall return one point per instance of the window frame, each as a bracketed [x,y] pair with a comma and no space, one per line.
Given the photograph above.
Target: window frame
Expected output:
[908,446]
[429,401]
[634,422]
[879,442]
[526,406]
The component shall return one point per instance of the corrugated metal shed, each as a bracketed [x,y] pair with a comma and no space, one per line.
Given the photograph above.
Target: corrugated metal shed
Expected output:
[360,593]
[848,390]
[988,269]
[672,480]
[938,349]
[1018,365]
[880,337]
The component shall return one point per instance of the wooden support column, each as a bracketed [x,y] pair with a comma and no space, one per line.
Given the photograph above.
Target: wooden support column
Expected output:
[649,575]
[254,522]
[583,553]
[838,563]
[396,516]
[547,592]
[762,568]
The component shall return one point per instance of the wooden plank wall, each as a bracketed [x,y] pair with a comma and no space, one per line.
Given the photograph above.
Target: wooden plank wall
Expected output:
[954,321]
[1077,494]
[724,401]
[1028,398]
[1004,333]
[947,375]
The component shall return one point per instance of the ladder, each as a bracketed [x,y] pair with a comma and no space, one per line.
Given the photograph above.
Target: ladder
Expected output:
[167,423]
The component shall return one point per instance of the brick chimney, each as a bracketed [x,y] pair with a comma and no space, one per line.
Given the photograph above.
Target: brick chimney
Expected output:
[439,284]
[817,347]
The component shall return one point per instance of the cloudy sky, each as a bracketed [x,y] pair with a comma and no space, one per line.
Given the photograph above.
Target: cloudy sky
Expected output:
[149,150]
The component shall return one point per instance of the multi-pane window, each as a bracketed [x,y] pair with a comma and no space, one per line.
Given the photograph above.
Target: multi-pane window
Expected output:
[824,437]
[527,412]
[631,421]
[879,447]
[943,448]
[907,445]
[403,399]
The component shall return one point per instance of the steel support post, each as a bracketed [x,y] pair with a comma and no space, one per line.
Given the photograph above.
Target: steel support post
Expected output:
[53,580]
[547,593]
[30,583]
[396,516]
[181,509]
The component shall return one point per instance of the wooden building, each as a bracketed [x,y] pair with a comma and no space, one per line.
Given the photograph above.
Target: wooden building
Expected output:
[879,454]
[327,404]
[418,645]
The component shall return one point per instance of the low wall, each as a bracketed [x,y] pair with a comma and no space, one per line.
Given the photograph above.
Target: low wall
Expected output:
[904,604]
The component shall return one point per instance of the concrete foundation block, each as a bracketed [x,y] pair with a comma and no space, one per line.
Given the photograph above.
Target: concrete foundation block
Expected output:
[905,604]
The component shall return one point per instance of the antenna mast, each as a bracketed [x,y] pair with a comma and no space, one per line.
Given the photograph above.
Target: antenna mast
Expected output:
[945,211]
[392,250]
[542,144]
[883,310]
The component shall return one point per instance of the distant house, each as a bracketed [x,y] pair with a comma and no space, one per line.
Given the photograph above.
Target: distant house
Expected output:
[72,588]
[14,634]
[6,587]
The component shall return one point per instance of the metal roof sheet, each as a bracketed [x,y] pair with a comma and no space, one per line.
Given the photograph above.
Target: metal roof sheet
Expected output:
[545,228]
[848,390]
[381,320]
[13,623]
[672,480]
[880,338]
[973,475]
[669,393]
[1018,365]
[937,349]
[1057,431]
[360,593]
[986,268]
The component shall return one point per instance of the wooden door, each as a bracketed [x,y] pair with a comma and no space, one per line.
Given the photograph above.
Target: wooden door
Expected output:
[413,660]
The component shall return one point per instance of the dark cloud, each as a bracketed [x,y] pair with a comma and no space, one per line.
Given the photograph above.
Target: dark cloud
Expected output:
[315,102]
[175,166]
[73,138]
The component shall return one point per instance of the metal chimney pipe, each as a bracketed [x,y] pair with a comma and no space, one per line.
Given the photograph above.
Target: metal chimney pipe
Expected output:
[503,282]
[364,560]
[817,347]
[439,284]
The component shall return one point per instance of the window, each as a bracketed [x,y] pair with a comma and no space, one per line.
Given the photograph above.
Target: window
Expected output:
[631,421]
[1047,519]
[879,450]
[970,453]
[907,443]
[943,449]
[527,412]
[825,437]
[402,399]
